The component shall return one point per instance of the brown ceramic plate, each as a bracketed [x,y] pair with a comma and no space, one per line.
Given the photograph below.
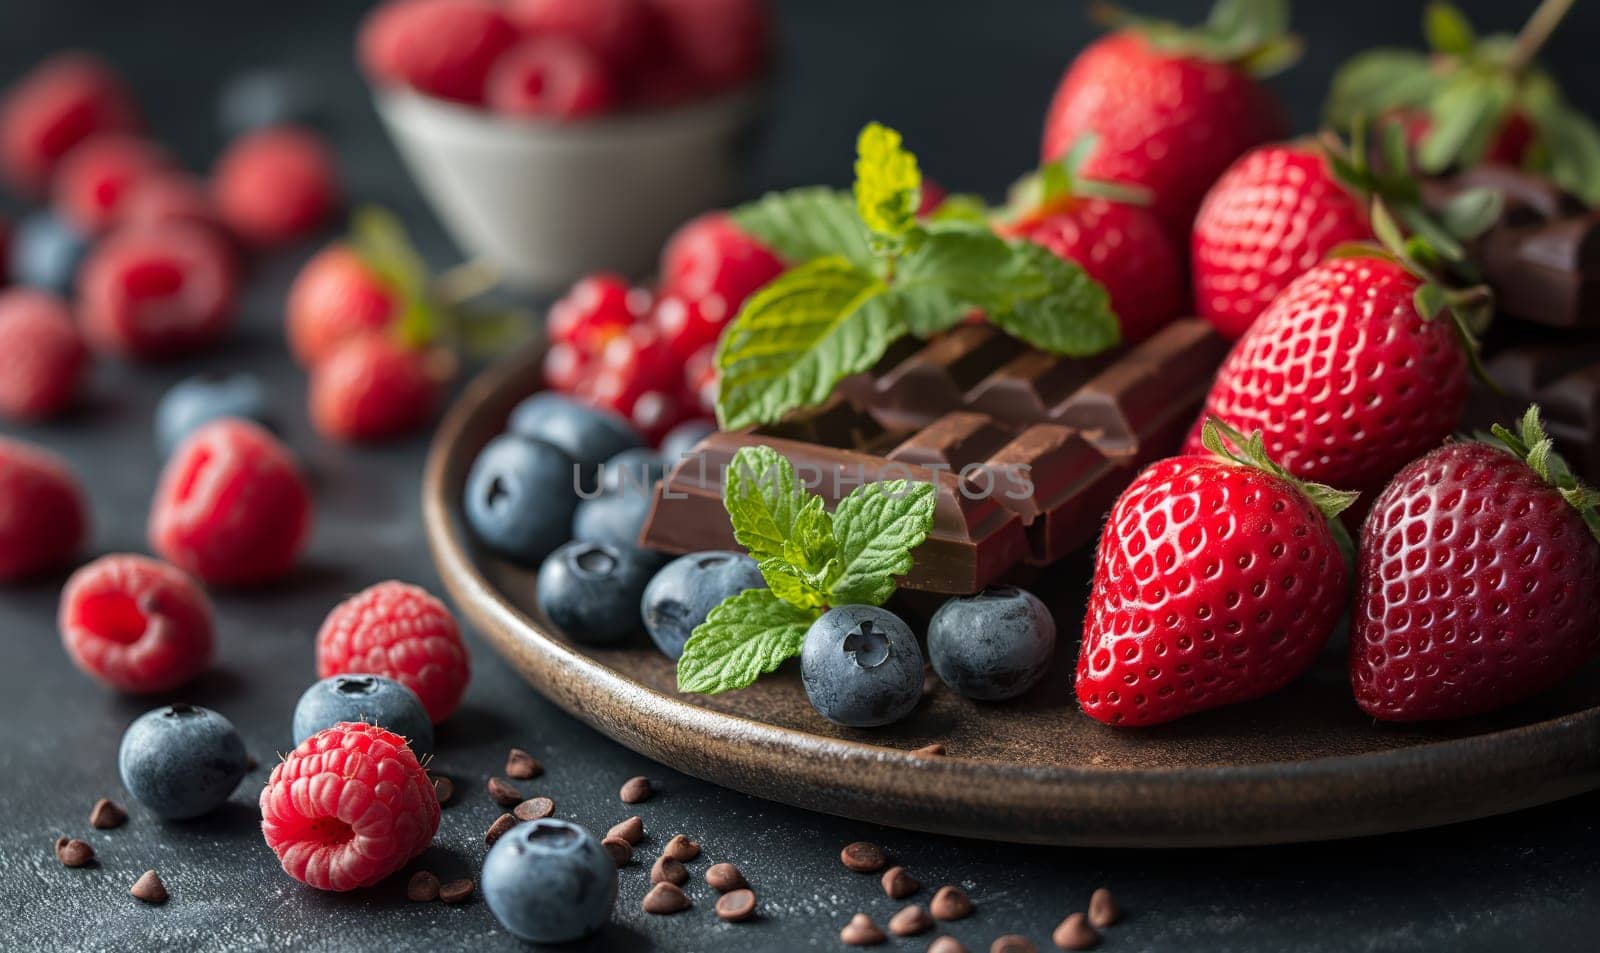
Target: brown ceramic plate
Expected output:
[1304,764]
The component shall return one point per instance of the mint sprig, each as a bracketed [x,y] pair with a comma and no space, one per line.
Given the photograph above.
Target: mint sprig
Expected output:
[810,559]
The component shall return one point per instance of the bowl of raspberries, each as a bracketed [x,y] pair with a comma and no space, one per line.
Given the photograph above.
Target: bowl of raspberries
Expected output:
[558,137]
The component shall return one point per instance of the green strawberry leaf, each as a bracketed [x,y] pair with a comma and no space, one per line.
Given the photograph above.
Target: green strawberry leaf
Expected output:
[1254,34]
[762,498]
[960,207]
[1571,144]
[1378,81]
[1466,112]
[1447,30]
[877,527]
[1532,445]
[746,636]
[888,185]
[804,224]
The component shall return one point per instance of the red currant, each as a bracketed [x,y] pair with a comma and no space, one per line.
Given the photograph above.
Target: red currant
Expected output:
[564,367]
[700,380]
[687,325]
[596,309]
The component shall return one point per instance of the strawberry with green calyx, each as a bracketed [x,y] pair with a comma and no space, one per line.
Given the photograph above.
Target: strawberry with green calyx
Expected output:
[1105,228]
[1218,579]
[1472,99]
[1174,106]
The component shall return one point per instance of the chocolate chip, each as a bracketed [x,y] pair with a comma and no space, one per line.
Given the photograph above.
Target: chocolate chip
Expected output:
[503,823]
[73,852]
[898,884]
[456,891]
[910,921]
[443,788]
[1013,943]
[1103,909]
[630,830]
[620,850]
[637,789]
[934,750]
[681,848]
[1075,933]
[736,905]
[250,763]
[502,793]
[930,683]
[107,814]
[534,808]
[862,857]
[522,765]
[946,944]
[950,903]
[149,888]
[725,877]
[861,931]
[669,870]
[665,899]
[423,887]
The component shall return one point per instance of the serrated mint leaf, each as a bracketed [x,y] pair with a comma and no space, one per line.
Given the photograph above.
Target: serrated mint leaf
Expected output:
[888,185]
[960,207]
[799,573]
[805,224]
[789,585]
[1055,306]
[745,637]
[877,527]
[799,336]
[762,497]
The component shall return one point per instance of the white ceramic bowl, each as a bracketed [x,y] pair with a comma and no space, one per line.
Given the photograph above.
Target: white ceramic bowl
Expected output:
[547,202]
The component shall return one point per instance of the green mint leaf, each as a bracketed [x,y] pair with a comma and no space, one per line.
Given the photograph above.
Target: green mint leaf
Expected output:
[949,270]
[805,224]
[1054,305]
[745,637]
[960,207]
[888,184]
[790,585]
[762,498]
[1447,30]
[800,335]
[799,574]
[877,527]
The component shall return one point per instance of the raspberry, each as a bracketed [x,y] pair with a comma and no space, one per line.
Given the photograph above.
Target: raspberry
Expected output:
[443,48]
[136,624]
[60,103]
[43,515]
[401,632]
[722,43]
[374,388]
[95,179]
[551,78]
[595,310]
[276,185]
[711,256]
[5,250]
[616,31]
[232,506]
[170,196]
[348,807]
[334,298]
[155,293]
[42,355]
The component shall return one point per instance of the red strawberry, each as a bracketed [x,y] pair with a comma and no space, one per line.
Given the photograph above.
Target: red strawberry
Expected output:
[551,78]
[1218,579]
[1343,375]
[95,179]
[617,31]
[276,185]
[42,355]
[1172,107]
[60,103]
[710,255]
[444,48]
[336,297]
[1277,212]
[374,387]
[1476,586]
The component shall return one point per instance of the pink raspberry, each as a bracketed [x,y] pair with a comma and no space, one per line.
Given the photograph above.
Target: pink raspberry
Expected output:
[551,78]
[168,197]
[348,807]
[42,355]
[402,632]
[156,293]
[276,185]
[60,103]
[96,178]
[617,31]
[443,48]
[43,515]
[721,43]
[136,624]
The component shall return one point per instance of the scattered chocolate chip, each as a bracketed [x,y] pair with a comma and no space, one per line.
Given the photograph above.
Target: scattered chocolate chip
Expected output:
[681,848]
[73,852]
[637,789]
[861,931]
[670,870]
[665,899]
[930,683]
[946,944]
[443,788]
[736,905]
[1013,943]
[456,891]
[910,921]
[149,888]
[863,858]
[522,765]
[934,750]
[630,830]
[898,884]
[423,887]
[534,808]
[1103,909]
[502,793]
[950,903]
[1075,933]
[503,823]
[250,763]
[107,814]
[620,850]
[725,877]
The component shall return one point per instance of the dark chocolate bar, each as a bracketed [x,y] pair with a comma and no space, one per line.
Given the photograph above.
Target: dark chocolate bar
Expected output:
[1027,450]
[1559,373]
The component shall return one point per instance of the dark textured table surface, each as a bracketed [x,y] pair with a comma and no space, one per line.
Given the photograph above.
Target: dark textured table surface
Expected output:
[967,82]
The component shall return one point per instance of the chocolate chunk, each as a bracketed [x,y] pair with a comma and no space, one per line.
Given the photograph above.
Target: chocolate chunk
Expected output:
[522,765]
[950,903]
[630,830]
[898,884]
[863,858]
[443,788]
[423,887]
[724,877]
[1013,943]
[911,921]
[1103,909]
[73,852]
[107,814]
[681,848]
[669,870]
[502,793]
[736,905]
[664,899]
[455,891]
[1559,373]
[620,850]
[635,790]
[534,808]
[861,931]
[946,944]
[503,823]
[1075,933]
[149,888]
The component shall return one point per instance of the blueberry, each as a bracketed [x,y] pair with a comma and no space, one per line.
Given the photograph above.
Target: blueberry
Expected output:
[549,881]
[994,645]
[684,593]
[270,96]
[372,698]
[520,499]
[206,397]
[592,590]
[182,760]
[588,435]
[46,253]
[614,518]
[861,667]
[632,471]
[682,439]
